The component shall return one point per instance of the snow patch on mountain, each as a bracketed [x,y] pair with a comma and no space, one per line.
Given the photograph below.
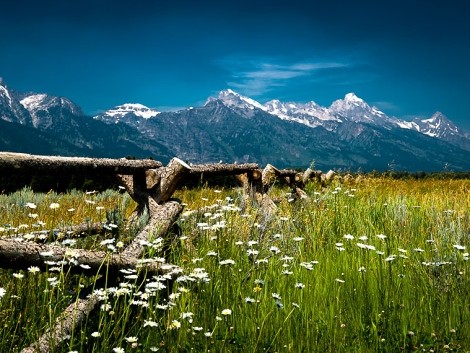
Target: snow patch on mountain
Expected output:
[279,109]
[136,109]
[34,101]
[4,92]
[350,102]
[351,98]
[410,125]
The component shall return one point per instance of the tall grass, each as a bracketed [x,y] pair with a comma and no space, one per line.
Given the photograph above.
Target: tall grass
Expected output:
[379,265]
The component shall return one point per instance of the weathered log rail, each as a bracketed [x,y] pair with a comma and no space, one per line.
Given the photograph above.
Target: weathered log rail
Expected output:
[223,169]
[29,163]
[19,255]
[158,226]
[151,185]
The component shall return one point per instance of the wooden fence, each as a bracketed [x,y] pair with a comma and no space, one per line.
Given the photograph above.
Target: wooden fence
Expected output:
[151,185]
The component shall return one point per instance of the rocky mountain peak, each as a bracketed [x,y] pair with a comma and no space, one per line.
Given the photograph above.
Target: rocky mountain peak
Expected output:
[353,99]
[46,110]
[350,102]
[10,108]
[438,117]
[438,125]
[235,100]
[355,109]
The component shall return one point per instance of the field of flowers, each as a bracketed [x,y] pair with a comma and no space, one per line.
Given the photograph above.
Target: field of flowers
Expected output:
[378,265]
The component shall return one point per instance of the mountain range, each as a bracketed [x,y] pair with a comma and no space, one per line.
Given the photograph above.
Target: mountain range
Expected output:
[348,135]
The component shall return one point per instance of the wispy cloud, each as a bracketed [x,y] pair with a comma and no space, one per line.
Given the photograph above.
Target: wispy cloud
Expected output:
[385,105]
[257,77]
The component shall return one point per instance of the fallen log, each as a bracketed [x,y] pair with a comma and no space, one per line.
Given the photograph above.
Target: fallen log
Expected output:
[71,317]
[76,312]
[256,186]
[156,186]
[298,193]
[28,163]
[21,255]
[159,225]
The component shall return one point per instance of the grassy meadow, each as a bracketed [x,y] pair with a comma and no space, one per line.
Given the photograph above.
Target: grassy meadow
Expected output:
[377,265]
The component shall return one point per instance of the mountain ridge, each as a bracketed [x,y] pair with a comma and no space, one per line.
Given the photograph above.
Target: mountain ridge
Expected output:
[350,134]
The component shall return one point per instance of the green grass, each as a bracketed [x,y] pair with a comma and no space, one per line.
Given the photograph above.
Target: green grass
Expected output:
[375,266]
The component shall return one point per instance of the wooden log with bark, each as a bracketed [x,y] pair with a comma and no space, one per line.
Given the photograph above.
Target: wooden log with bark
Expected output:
[308,175]
[154,186]
[159,225]
[290,177]
[328,177]
[257,185]
[158,185]
[250,183]
[169,178]
[28,163]
[223,169]
[70,318]
[160,222]
[21,255]
[269,176]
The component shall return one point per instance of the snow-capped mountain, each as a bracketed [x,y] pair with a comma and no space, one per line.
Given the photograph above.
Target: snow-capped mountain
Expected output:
[291,109]
[310,114]
[127,111]
[46,110]
[355,109]
[349,109]
[235,100]
[10,108]
[437,126]
[349,134]
[131,114]
[45,124]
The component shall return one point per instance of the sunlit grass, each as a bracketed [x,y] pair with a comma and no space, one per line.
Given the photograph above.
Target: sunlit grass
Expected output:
[378,265]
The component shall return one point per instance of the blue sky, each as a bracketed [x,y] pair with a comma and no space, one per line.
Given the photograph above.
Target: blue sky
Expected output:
[408,58]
